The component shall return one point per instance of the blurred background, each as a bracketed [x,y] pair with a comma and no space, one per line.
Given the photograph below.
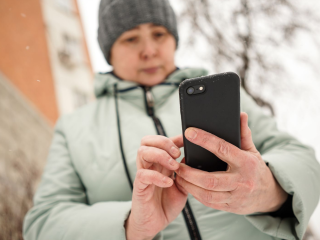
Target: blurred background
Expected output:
[49,54]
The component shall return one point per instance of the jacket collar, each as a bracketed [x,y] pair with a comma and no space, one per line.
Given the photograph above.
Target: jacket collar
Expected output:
[104,83]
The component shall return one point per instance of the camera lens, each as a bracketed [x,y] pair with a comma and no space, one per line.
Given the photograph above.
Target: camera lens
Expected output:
[190,90]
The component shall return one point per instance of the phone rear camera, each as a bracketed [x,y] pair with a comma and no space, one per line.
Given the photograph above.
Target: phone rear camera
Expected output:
[190,90]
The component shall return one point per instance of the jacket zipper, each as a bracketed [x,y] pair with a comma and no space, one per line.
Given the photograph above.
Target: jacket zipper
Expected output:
[187,212]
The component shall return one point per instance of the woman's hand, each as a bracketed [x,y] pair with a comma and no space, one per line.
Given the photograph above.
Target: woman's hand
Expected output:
[156,200]
[248,185]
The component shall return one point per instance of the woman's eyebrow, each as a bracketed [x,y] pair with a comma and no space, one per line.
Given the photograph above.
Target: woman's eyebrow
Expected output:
[132,30]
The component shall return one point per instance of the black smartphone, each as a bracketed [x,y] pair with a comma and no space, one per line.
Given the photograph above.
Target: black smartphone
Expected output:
[211,103]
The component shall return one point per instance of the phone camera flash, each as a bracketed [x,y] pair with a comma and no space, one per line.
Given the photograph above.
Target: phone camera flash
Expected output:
[200,88]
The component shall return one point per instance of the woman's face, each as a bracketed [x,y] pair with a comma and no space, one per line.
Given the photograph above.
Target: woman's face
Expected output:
[144,54]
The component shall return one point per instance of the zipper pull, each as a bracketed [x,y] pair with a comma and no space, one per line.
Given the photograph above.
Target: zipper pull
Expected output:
[149,100]
[149,96]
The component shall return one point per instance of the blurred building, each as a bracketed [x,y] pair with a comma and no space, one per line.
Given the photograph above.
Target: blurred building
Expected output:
[25,138]
[44,72]
[44,54]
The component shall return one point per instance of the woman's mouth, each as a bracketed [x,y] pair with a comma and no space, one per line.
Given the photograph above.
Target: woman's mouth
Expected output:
[150,70]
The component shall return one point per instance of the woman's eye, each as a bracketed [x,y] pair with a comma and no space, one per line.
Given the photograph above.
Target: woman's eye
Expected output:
[159,34]
[132,39]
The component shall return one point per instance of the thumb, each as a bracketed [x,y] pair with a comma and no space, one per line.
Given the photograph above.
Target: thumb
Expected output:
[246,137]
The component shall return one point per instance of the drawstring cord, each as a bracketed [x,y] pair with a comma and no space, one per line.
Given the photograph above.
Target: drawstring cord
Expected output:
[120,139]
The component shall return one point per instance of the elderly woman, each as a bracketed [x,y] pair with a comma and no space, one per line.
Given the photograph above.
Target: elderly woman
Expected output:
[110,169]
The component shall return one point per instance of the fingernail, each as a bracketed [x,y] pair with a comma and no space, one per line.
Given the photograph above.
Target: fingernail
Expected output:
[172,162]
[191,133]
[166,180]
[174,151]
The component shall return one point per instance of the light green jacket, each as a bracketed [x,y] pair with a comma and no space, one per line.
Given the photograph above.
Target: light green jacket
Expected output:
[84,192]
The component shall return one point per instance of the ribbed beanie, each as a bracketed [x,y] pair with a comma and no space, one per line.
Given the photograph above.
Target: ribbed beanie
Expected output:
[118,16]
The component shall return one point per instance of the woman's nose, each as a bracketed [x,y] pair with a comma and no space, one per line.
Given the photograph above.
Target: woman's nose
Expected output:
[149,49]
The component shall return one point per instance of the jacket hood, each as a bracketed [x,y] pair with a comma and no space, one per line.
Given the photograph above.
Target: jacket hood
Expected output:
[104,82]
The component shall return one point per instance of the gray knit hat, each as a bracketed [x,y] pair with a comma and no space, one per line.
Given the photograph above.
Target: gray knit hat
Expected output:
[118,16]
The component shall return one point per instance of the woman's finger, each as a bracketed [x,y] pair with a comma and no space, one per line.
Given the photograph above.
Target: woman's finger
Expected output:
[218,206]
[178,140]
[214,181]
[150,155]
[246,138]
[146,177]
[163,143]
[222,149]
[205,196]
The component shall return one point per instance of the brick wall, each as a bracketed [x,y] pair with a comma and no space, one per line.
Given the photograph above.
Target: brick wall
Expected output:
[24,53]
